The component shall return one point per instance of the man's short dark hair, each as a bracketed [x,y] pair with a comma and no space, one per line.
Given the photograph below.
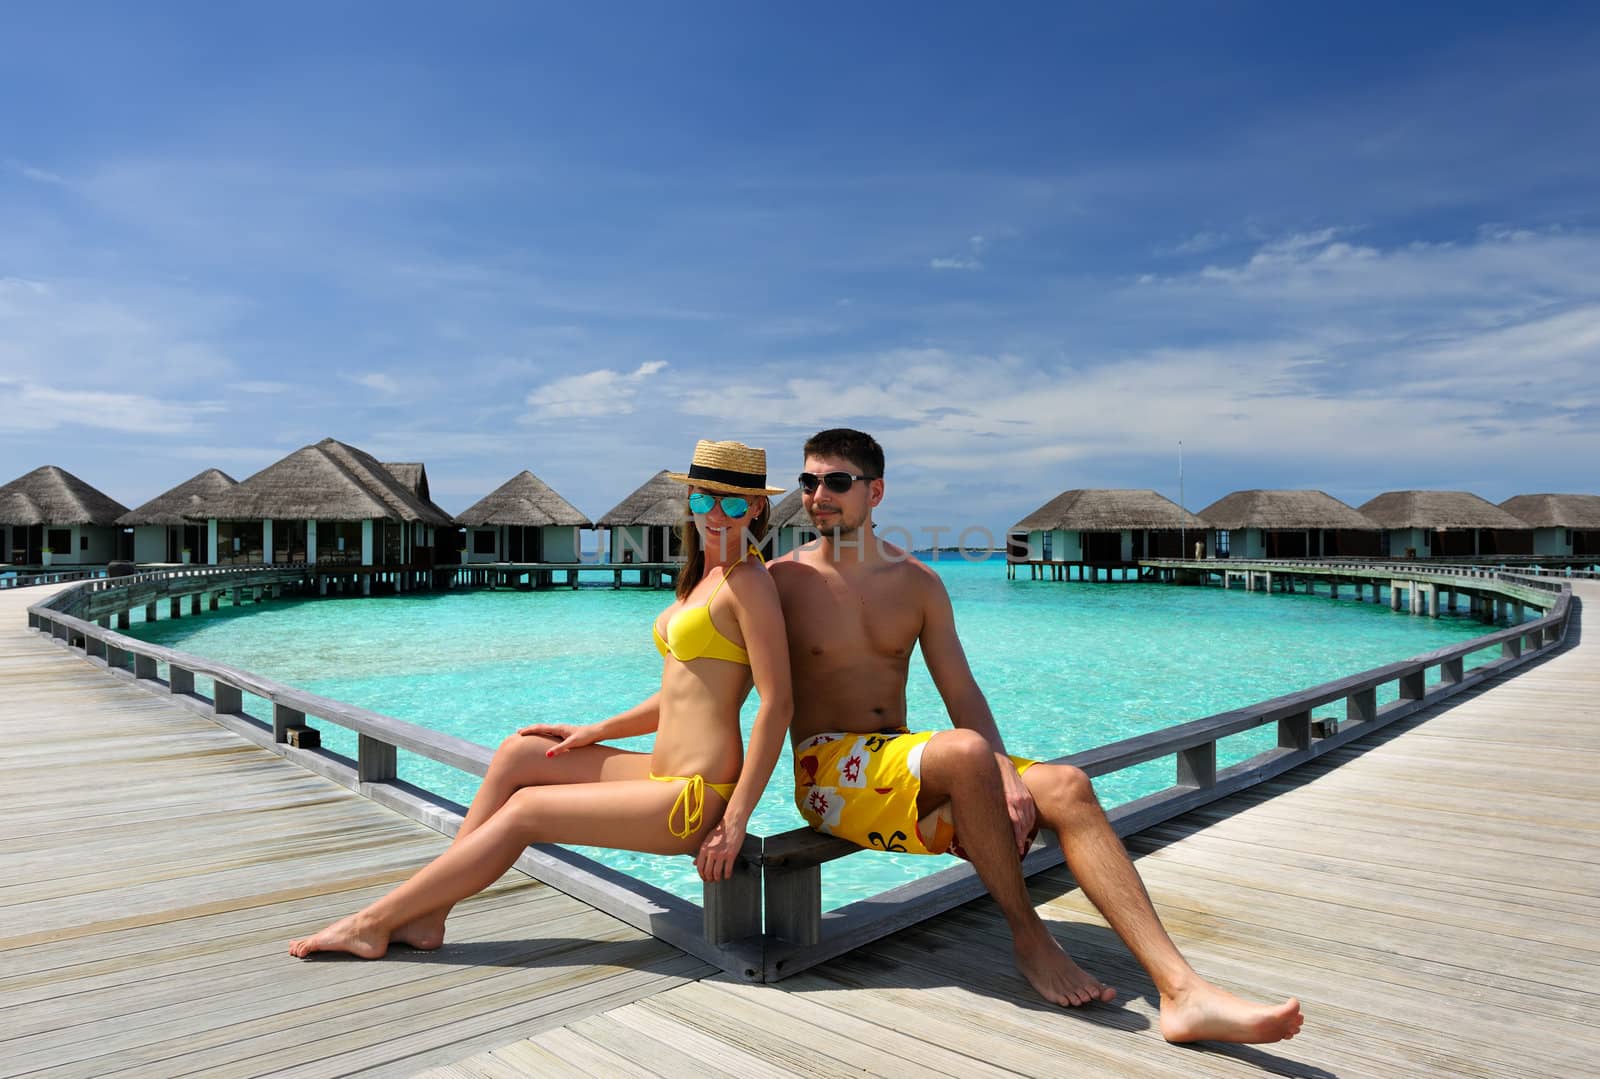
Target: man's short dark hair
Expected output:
[857,447]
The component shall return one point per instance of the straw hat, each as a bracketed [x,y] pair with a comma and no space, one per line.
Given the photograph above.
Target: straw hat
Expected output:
[730,467]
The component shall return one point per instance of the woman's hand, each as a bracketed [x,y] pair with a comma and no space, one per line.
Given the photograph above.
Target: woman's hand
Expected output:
[567,736]
[720,850]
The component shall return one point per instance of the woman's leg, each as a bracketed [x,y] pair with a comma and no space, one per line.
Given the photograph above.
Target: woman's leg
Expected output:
[521,761]
[628,814]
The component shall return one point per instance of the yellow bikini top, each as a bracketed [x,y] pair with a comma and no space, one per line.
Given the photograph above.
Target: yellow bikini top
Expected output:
[692,635]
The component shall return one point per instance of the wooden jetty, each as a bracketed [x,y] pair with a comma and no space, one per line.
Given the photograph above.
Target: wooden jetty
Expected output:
[1428,893]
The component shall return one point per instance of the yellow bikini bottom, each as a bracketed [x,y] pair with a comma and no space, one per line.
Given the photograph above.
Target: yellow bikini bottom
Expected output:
[691,803]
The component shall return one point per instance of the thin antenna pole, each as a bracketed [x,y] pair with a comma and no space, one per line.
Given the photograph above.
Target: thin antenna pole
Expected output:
[1183,538]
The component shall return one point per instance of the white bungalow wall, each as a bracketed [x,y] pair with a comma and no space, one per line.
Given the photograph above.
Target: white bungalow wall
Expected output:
[1556,541]
[493,556]
[634,539]
[560,543]
[1065,546]
[150,544]
[1400,539]
[90,545]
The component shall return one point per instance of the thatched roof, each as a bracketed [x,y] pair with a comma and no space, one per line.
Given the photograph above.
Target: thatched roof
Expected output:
[413,475]
[660,501]
[54,496]
[1108,511]
[1284,510]
[789,512]
[329,481]
[524,499]
[1556,511]
[185,502]
[1438,510]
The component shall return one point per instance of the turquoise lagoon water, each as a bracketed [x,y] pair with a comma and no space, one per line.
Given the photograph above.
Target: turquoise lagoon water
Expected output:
[1065,666]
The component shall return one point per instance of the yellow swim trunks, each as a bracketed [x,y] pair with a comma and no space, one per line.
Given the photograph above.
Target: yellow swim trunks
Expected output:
[864,787]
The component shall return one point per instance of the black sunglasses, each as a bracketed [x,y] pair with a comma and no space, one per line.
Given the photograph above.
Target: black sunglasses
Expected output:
[837,482]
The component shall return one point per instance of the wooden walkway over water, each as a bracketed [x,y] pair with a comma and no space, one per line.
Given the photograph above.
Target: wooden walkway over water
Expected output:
[1430,895]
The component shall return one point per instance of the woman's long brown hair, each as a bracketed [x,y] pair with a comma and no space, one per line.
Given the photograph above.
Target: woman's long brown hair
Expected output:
[694,559]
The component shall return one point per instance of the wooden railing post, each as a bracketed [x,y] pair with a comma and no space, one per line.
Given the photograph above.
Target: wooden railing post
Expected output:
[1451,671]
[284,717]
[1413,686]
[376,760]
[179,679]
[733,907]
[1294,732]
[144,666]
[794,902]
[226,700]
[1197,766]
[1361,706]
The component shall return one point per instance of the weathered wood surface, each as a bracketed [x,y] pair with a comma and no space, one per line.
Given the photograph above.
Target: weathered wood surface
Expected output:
[154,866]
[1431,895]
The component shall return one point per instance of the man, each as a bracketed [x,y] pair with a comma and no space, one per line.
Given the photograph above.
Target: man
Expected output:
[855,607]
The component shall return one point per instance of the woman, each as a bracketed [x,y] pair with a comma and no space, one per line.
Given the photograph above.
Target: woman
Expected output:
[555,783]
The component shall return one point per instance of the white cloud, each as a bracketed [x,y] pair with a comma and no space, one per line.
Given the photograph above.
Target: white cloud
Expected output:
[959,263]
[37,175]
[597,393]
[33,406]
[1200,243]
[376,380]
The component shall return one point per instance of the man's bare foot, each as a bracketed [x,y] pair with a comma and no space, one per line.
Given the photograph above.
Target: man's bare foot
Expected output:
[1055,976]
[345,935]
[1206,1012]
[425,934]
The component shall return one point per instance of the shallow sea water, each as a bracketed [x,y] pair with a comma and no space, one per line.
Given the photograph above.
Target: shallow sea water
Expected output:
[1065,667]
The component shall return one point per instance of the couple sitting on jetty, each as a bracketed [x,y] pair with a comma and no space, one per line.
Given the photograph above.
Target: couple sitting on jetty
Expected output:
[824,635]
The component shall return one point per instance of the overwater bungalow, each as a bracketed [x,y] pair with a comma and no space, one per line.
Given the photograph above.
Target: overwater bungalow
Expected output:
[328,503]
[790,527]
[1563,525]
[1445,524]
[523,520]
[644,526]
[1106,528]
[165,529]
[51,517]
[1289,524]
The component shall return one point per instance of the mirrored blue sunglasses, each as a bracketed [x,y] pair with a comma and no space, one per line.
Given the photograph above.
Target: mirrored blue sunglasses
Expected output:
[732,505]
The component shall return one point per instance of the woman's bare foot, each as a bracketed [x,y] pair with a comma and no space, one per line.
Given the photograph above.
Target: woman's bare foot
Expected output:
[1055,976]
[1205,1012]
[425,934]
[346,935]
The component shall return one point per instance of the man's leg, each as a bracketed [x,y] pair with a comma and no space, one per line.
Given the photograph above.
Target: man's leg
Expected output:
[959,766]
[1192,1009]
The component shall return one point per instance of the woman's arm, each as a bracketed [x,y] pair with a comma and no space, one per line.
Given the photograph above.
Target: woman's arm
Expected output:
[761,623]
[642,718]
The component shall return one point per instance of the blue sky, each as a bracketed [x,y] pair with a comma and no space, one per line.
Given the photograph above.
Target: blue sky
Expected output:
[1031,249]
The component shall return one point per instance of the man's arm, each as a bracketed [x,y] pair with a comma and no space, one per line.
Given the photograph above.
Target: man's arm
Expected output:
[968,708]
[947,662]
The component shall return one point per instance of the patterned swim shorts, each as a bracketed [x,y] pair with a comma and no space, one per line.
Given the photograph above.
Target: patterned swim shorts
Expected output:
[864,788]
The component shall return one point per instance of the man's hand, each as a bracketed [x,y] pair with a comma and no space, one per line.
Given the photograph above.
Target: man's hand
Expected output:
[719,851]
[566,735]
[1019,805]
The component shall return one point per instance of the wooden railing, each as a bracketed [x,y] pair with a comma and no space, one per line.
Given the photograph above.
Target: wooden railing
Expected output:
[767,921]
[27,579]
